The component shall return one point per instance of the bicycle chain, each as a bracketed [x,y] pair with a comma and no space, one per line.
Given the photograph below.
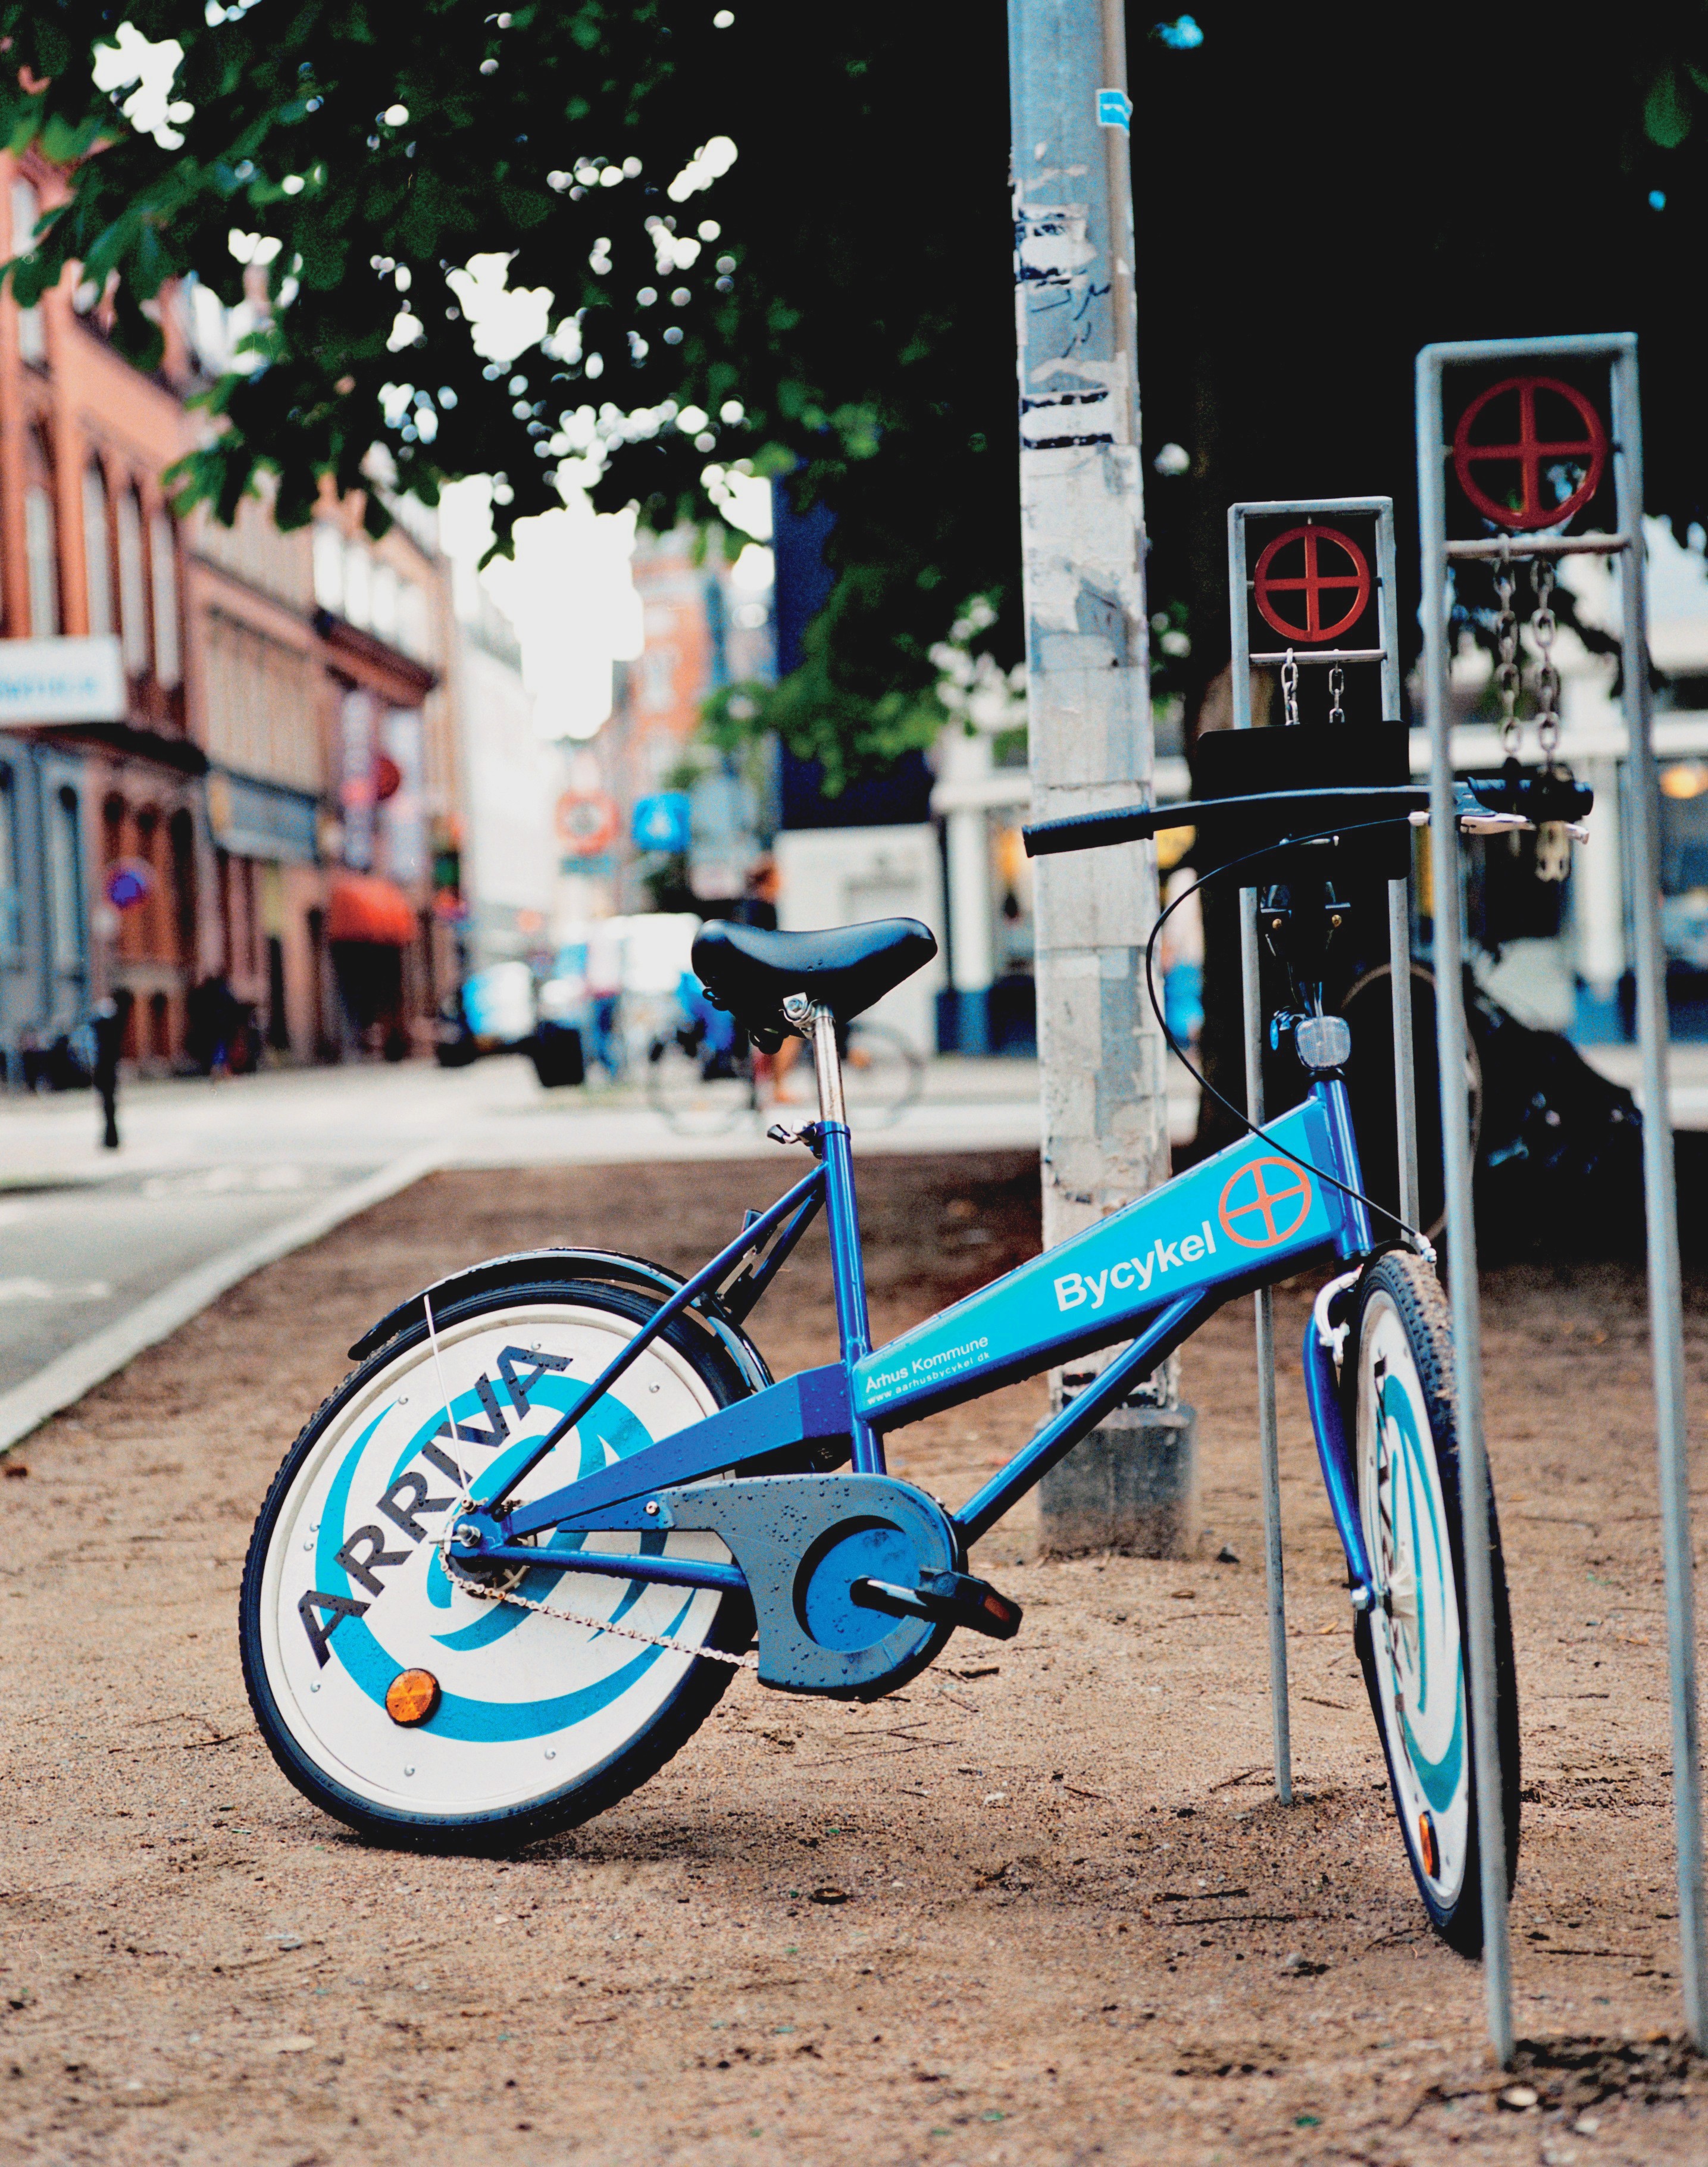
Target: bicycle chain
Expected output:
[484,1594]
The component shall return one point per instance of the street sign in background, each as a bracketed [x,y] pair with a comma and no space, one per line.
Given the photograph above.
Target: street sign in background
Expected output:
[62,680]
[587,822]
[662,821]
[128,884]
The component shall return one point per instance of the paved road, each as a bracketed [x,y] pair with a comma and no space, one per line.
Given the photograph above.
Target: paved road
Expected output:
[212,1180]
[212,1172]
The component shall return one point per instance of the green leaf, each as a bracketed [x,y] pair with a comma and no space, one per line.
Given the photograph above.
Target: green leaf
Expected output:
[1666,112]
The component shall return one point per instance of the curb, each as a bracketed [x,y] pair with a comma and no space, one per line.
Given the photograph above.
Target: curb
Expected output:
[91,1361]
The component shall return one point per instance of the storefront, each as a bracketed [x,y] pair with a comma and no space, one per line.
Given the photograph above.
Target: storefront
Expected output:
[44,913]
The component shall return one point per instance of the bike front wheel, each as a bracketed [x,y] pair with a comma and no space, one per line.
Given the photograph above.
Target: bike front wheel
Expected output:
[1413,1644]
[525,1724]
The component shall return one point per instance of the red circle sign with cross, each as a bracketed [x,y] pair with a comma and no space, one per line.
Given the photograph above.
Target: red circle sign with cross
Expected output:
[1345,568]
[1530,451]
[1263,1203]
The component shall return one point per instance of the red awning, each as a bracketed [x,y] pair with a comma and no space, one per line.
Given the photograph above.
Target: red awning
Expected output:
[365,908]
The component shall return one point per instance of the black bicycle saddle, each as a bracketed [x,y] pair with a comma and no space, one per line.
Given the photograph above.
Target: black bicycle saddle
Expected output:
[751,972]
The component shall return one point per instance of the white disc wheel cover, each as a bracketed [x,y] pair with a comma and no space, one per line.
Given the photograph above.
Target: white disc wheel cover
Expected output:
[354,1592]
[1415,1625]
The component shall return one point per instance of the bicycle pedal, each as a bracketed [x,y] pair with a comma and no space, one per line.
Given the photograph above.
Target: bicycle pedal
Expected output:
[951,1598]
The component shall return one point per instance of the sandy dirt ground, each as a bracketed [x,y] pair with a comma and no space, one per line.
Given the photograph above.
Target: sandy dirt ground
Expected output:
[1039,1908]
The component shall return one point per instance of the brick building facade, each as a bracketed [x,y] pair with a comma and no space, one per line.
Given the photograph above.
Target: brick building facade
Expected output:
[282,781]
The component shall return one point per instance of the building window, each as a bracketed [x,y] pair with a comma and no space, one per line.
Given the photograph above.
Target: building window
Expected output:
[412,632]
[329,567]
[98,551]
[11,944]
[42,548]
[163,565]
[32,332]
[358,585]
[182,838]
[64,882]
[384,602]
[133,588]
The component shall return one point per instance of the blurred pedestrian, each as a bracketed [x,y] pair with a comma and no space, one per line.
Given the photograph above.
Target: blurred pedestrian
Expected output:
[604,977]
[759,903]
[108,1022]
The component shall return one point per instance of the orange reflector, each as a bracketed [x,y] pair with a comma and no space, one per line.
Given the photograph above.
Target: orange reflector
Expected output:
[1425,1835]
[411,1697]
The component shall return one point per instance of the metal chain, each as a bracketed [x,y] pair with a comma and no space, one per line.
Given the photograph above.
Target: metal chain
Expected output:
[1506,677]
[484,1594]
[1337,686]
[1289,687]
[1543,626]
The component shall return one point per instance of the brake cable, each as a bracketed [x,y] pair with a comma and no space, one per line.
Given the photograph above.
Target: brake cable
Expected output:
[1419,1240]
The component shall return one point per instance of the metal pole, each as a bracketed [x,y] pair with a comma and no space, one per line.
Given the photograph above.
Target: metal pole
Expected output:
[1263,1302]
[1461,1233]
[1660,1199]
[1089,680]
[1398,899]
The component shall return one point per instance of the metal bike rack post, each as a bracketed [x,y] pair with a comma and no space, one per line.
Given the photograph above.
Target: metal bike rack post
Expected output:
[1511,536]
[1311,510]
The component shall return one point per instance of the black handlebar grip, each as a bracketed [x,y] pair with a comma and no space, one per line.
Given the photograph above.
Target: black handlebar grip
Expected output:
[1094,831]
[1270,818]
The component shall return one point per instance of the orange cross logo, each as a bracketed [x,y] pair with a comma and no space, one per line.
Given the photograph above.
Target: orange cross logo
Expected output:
[1264,1202]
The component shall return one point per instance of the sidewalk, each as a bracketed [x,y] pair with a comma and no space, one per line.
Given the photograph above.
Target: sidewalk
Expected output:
[102,1253]
[1687,1077]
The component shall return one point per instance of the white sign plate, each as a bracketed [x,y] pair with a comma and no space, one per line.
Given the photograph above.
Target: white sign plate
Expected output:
[60,681]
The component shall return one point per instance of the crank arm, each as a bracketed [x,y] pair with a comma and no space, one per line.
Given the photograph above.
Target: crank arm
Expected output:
[947,1598]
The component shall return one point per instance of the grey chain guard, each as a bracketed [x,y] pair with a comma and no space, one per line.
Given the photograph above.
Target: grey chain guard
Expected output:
[775,1525]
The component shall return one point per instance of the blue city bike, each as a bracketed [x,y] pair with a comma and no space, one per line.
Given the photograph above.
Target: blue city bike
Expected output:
[510,1565]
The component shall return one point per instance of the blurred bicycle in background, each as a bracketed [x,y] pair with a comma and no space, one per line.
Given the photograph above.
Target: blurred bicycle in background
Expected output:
[705,1077]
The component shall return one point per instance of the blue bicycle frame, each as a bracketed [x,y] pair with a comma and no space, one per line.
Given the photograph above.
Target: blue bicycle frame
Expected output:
[1151,1274]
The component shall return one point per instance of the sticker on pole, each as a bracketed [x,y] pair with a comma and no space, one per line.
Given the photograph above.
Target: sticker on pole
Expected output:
[1323,567]
[1537,457]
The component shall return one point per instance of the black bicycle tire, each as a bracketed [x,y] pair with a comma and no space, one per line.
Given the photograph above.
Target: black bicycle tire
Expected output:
[1421,1306]
[506,1830]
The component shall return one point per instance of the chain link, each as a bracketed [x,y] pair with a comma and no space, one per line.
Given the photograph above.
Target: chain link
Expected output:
[1543,626]
[1506,676]
[1289,687]
[482,1593]
[1337,686]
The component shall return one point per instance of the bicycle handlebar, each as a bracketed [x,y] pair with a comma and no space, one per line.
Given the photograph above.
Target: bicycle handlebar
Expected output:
[1313,811]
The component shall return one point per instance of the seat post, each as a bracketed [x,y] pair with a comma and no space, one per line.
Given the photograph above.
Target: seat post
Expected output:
[841,1210]
[826,1061]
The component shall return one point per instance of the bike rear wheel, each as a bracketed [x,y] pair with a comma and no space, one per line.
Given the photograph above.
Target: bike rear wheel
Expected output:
[882,1075]
[1413,1646]
[533,1724]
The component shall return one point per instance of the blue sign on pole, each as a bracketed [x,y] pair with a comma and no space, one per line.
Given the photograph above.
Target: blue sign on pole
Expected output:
[1115,108]
[661,822]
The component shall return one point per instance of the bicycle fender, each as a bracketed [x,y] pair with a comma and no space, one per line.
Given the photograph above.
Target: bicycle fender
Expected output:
[801,1541]
[526,1267]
